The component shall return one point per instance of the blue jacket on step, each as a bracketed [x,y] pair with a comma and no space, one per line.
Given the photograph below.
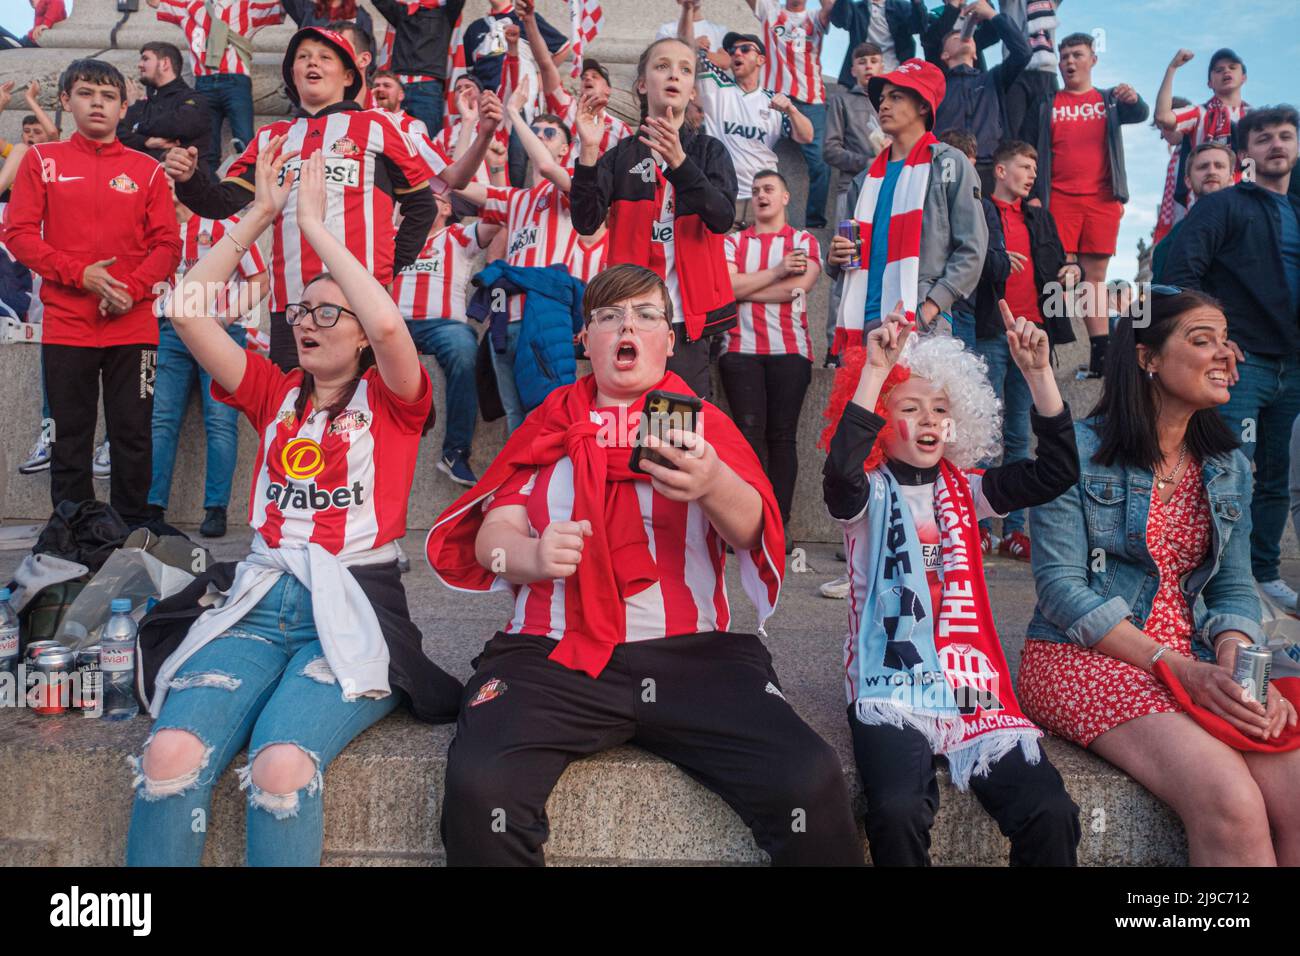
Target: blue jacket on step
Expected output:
[544,356]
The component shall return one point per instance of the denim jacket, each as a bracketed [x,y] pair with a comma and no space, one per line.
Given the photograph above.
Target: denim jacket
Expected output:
[1092,568]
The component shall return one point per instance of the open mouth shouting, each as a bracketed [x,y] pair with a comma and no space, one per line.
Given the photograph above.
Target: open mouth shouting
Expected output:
[308,342]
[625,354]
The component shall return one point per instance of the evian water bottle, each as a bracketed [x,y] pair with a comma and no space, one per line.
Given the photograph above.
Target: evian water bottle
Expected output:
[117,662]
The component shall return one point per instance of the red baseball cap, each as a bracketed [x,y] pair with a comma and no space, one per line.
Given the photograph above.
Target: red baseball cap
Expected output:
[341,46]
[923,78]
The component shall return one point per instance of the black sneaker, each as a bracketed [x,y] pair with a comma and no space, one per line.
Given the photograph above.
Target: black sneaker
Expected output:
[214,524]
[831,361]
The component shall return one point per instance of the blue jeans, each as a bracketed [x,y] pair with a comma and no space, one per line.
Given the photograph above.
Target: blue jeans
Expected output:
[455,347]
[424,101]
[1267,397]
[503,365]
[177,372]
[263,682]
[819,174]
[230,97]
[1013,391]
[963,328]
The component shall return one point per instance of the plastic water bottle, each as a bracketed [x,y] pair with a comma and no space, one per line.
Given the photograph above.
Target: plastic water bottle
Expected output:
[9,692]
[117,661]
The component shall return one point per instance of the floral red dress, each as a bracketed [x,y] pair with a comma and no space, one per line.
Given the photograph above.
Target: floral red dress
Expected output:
[1079,693]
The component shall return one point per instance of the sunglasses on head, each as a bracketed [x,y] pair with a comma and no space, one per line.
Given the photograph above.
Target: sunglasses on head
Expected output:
[1157,289]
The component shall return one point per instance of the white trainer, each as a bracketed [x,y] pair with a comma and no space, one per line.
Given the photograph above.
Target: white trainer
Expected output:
[1280,592]
[837,589]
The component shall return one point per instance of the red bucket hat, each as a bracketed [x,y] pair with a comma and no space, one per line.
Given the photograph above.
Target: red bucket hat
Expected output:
[924,79]
[341,46]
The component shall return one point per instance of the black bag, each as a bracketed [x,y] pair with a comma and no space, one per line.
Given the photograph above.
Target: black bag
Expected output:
[83,531]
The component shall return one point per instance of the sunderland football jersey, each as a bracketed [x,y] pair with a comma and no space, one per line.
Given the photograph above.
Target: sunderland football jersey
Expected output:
[242,16]
[691,594]
[198,236]
[369,164]
[588,260]
[794,51]
[540,232]
[433,286]
[770,328]
[341,483]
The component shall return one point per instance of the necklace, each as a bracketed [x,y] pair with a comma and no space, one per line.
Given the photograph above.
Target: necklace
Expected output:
[1162,480]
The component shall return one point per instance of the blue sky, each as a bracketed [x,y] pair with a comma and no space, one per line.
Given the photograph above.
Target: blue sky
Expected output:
[1140,37]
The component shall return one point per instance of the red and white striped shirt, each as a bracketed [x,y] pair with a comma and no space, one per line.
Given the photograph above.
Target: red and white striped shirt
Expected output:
[589,260]
[565,105]
[770,328]
[368,163]
[540,232]
[243,17]
[433,286]
[198,236]
[794,51]
[341,483]
[1198,121]
[691,595]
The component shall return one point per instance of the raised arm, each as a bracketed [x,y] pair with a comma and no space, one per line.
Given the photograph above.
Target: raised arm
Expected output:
[1165,118]
[462,170]
[547,69]
[395,354]
[541,157]
[33,103]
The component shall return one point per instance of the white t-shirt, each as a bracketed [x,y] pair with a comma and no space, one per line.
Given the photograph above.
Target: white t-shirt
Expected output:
[745,123]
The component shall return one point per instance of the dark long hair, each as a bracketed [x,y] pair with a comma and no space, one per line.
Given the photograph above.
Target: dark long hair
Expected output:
[1129,403]
[364,362]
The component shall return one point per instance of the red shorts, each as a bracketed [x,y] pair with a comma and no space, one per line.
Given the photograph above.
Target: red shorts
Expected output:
[1088,225]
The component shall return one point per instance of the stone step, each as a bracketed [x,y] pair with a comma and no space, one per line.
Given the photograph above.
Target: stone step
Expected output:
[65,801]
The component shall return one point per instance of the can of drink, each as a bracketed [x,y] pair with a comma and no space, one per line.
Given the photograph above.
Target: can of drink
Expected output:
[49,675]
[90,679]
[848,228]
[1251,670]
[968,28]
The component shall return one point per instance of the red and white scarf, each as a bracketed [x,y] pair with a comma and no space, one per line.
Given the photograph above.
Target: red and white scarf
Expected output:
[902,267]
[937,670]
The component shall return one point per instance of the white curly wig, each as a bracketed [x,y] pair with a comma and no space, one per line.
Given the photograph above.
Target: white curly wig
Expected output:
[974,406]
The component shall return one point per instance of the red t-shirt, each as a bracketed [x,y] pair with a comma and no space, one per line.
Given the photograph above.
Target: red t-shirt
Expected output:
[1080,161]
[342,483]
[1022,288]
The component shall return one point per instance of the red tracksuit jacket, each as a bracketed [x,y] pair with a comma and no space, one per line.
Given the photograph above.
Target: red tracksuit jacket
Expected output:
[76,202]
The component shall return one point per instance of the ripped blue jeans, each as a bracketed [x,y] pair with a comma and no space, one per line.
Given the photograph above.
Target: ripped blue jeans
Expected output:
[263,682]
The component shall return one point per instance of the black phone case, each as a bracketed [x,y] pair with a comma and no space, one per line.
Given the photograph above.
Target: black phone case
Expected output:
[660,403]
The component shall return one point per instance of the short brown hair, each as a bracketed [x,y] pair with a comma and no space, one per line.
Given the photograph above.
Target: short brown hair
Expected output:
[1011,148]
[621,282]
[962,141]
[866,49]
[1214,144]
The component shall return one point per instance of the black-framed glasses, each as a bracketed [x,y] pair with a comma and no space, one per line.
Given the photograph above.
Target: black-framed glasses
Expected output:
[646,318]
[324,316]
[744,48]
